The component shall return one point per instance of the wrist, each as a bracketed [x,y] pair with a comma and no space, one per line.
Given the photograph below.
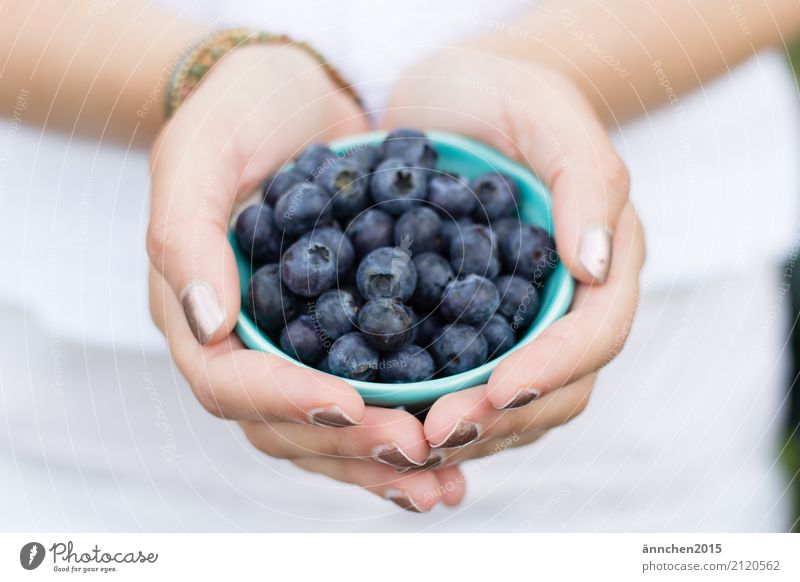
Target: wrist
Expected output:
[242,44]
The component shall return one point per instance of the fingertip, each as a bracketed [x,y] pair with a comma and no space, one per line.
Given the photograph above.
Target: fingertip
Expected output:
[594,254]
[203,311]
[453,484]
[335,391]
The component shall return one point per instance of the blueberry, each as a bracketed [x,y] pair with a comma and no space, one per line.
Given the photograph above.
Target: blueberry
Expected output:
[529,252]
[302,208]
[325,365]
[398,186]
[499,336]
[411,146]
[301,340]
[459,348]
[352,357]
[475,251]
[418,230]
[371,230]
[471,300]
[519,300]
[433,275]
[257,234]
[387,272]
[279,184]
[502,228]
[428,328]
[412,338]
[314,160]
[344,254]
[453,230]
[386,323]
[408,364]
[498,195]
[348,185]
[367,156]
[451,196]
[335,313]
[269,302]
[309,268]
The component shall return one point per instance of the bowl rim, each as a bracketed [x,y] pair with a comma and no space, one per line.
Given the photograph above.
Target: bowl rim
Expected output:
[428,390]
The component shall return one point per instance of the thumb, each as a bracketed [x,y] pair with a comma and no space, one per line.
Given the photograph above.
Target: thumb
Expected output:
[574,156]
[194,184]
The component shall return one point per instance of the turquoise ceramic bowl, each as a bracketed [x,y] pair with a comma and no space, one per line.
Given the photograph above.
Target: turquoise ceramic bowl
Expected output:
[467,157]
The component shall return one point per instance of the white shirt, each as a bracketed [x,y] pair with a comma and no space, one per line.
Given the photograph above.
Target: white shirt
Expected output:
[680,433]
[715,177]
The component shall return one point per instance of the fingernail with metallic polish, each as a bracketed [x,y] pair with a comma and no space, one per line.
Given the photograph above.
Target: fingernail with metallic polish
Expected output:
[332,416]
[435,458]
[463,433]
[203,311]
[402,499]
[392,454]
[521,398]
[595,252]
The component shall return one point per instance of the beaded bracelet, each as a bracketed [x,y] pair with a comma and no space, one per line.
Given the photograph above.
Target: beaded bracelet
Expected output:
[203,55]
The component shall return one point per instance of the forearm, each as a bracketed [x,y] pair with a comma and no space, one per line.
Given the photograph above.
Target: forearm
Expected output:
[613,49]
[89,67]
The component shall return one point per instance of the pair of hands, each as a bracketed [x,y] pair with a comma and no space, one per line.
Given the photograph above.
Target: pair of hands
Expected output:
[262,105]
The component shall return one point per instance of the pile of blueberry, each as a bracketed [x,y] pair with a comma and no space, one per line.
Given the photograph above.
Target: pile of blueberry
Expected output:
[374,264]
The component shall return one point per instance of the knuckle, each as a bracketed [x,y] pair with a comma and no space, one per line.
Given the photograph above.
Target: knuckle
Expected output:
[333,448]
[583,397]
[266,442]
[270,446]
[616,176]
[157,241]
[207,399]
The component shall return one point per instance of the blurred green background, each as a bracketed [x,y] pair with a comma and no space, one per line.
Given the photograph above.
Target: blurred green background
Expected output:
[791,452]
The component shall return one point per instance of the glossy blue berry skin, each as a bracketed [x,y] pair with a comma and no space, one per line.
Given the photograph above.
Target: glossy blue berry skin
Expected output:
[371,230]
[529,252]
[410,363]
[453,230]
[386,323]
[314,160]
[502,228]
[351,356]
[270,304]
[344,253]
[257,234]
[433,275]
[398,186]
[387,273]
[498,197]
[335,313]
[451,196]
[411,146]
[475,252]
[381,267]
[519,300]
[419,230]
[428,327]
[325,365]
[472,300]
[302,341]
[348,186]
[309,268]
[367,156]
[499,336]
[279,184]
[302,208]
[459,348]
